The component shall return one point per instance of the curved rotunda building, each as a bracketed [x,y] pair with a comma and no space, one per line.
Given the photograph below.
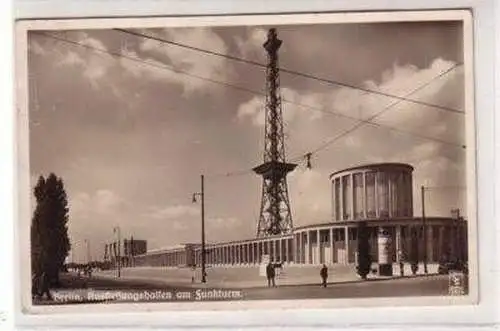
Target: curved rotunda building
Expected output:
[380,195]
[372,192]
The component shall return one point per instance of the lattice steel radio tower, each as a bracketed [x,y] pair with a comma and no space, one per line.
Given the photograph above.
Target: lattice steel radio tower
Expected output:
[275,214]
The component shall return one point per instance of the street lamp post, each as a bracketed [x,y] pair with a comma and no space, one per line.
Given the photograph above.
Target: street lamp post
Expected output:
[116,230]
[203,252]
[424,226]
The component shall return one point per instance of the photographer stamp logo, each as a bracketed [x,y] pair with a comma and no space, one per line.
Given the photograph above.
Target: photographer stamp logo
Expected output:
[456,284]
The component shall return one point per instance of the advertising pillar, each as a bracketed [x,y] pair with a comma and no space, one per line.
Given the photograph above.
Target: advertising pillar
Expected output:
[384,253]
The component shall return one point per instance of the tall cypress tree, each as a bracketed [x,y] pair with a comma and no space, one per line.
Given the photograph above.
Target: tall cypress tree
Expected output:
[49,233]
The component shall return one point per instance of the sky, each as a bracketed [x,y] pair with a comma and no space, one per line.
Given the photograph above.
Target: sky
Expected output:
[131,133]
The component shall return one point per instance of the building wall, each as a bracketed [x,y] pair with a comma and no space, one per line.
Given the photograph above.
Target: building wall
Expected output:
[373,191]
[379,195]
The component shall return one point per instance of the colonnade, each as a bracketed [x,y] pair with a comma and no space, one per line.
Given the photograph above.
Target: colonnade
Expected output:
[328,244]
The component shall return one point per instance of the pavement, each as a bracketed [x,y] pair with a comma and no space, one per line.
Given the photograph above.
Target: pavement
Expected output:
[105,290]
[246,276]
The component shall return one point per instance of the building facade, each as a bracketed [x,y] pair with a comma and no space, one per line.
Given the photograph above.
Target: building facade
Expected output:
[379,195]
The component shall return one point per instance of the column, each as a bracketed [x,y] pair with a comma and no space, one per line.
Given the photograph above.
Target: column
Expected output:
[279,258]
[389,178]
[341,200]
[240,254]
[257,255]
[375,184]
[398,242]
[352,196]
[232,254]
[332,246]
[365,200]
[301,248]
[441,244]
[287,252]
[309,247]
[346,244]
[274,257]
[332,203]
[295,248]
[429,244]
[247,253]
[317,260]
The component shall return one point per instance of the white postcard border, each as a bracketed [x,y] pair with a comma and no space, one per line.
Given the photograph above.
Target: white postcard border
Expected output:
[23,180]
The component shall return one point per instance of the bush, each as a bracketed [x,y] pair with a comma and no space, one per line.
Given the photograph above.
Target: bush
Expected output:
[364,257]
[413,258]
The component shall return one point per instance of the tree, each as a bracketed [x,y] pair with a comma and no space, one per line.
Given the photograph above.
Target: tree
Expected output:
[413,258]
[49,233]
[364,257]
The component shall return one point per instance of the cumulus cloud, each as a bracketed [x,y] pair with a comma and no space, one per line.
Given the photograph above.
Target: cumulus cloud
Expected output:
[295,107]
[173,212]
[310,196]
[90,58]
[101,202]
[191,62]
[435,164]
[94,64]
[88,212]
[251,44]
[36,48]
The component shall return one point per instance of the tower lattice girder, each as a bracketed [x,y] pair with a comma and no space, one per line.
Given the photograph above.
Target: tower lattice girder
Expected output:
[275,213]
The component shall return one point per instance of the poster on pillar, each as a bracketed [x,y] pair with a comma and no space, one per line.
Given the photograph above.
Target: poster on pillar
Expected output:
[193,162]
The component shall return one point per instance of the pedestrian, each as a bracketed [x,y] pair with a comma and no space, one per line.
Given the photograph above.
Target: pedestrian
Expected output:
[324,275]
[270,275]
[401,259]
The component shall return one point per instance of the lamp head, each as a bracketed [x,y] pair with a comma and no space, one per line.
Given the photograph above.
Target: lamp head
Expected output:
[194,197]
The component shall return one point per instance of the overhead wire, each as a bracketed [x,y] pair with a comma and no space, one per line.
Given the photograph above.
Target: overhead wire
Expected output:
[379,113]
[285,70]
[244,89]
[226,84]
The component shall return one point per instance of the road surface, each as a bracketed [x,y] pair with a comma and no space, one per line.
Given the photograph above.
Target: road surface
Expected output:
[435,285]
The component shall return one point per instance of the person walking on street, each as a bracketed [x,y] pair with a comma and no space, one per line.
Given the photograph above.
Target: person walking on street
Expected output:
[270,275]
[324,275]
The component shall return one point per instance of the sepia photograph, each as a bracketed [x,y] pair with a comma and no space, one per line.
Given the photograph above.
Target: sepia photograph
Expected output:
[245,160]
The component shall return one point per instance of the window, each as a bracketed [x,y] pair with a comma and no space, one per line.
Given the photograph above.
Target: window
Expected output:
[407,192]
[359,201]
[370,194]
[337,200]
[383,194]
[395,188]
[347,196]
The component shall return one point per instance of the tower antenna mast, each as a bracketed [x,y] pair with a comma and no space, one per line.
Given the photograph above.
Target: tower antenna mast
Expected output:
[275,213]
